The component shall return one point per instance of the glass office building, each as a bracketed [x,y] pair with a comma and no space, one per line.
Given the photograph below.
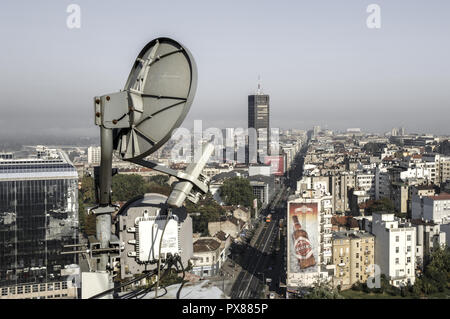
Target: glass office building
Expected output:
[38,215]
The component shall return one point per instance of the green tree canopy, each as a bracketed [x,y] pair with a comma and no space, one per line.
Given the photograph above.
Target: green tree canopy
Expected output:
[160,180]
[323,290]
[237,191]
[436,274]
[125,187]
[87,191]
[380,205]
[205,211]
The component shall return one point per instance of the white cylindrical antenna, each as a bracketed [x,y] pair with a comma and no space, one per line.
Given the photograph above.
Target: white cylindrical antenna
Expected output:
[194,169]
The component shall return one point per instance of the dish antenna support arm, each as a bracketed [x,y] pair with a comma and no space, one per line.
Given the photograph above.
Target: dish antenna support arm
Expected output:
[191,183]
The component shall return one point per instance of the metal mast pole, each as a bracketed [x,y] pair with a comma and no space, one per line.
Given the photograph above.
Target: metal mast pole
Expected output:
[103,218]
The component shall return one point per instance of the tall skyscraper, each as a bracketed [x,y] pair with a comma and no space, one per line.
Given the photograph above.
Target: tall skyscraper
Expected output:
[258,118]
[38,215]
[394,132]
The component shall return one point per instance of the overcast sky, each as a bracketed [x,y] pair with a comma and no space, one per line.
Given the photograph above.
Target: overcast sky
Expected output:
[318,60]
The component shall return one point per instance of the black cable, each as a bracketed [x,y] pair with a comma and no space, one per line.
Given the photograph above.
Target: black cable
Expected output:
[122,285]
[169,264]
[140,291]
[182,279]
[165,293]
[149,289]
[169,214]
[144,291]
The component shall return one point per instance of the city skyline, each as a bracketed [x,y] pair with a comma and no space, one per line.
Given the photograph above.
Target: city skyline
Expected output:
[319,62]
[237,151]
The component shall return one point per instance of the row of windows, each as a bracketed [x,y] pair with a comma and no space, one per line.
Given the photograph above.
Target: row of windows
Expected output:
[34,288]
[408,249]
[36,169]
[397,260]
[35,207]
[49,296]
[397,238]
[200,259]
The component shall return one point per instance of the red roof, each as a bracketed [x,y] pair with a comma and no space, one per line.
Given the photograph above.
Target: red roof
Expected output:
[441,196]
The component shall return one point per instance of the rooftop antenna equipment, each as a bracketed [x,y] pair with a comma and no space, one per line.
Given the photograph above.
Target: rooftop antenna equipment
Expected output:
[138,120]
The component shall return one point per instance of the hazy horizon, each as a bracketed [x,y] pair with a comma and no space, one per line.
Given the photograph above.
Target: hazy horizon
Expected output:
[317,60]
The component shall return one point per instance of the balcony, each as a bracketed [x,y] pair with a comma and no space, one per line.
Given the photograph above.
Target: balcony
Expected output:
[327,215]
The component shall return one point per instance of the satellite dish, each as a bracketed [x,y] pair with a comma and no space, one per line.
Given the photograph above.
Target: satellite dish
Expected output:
[157,97]
[138,120]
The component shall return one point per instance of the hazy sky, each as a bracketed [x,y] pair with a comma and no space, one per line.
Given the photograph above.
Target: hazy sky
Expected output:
[318,60]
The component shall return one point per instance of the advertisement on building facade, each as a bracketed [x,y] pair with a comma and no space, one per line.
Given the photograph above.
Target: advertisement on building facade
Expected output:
[276,164]
[304,237]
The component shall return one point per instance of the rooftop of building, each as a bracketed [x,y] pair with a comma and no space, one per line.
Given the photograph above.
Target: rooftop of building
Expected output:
[422,222]
[441,196]
[57,164]
[207,244]
[198,290]
[351,234]
[347,221]
[236,221]
[425,187]
[235,207]
[221,235]
[225,175]
[260,178]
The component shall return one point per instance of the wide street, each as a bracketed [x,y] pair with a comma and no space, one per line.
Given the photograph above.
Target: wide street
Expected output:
[262,260]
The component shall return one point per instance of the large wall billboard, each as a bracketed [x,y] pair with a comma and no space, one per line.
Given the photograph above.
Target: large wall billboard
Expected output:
[304,240]
[276,164]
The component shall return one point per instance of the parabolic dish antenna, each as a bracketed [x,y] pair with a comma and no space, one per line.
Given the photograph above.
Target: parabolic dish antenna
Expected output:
[140,119]
[157,97]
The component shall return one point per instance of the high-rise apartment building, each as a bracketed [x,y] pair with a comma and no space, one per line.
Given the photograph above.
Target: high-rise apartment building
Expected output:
[258,119]
[395,248]
[316,130]
[94,155]
[38,215]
